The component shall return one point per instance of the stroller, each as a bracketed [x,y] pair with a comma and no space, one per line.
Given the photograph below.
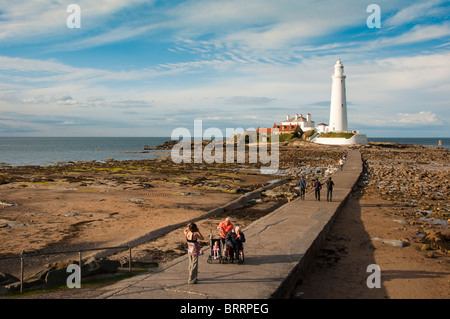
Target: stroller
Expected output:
[223,253]
[213,253]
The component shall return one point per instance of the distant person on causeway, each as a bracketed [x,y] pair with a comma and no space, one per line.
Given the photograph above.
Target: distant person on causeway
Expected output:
[317,188]
[302,186]
[330,185]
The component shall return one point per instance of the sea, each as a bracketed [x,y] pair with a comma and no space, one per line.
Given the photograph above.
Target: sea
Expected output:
[426,141]
[45,151]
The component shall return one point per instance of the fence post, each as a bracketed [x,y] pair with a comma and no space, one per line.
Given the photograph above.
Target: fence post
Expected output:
[79,263]
[129,261]
[21,272]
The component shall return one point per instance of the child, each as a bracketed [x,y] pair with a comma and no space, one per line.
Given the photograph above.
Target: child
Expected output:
[216,250]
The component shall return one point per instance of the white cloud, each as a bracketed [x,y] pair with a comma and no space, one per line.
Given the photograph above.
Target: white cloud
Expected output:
[247,100]
[419,33]
[38,20]
[421,118]
[414,12]
[398,75]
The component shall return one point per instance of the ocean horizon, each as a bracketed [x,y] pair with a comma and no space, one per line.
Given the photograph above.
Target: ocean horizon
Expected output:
[44,151]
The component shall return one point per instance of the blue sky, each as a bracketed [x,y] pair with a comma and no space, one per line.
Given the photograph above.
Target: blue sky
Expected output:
[144,68]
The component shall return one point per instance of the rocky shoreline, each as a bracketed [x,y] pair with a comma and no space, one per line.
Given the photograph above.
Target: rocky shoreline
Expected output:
[397,219]
[412,179]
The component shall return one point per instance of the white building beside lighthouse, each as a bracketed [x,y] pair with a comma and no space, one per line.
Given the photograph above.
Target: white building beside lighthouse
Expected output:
[337,131]
[305,124]
[338,106]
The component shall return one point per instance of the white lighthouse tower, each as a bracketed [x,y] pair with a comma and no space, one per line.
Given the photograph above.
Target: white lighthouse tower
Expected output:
[338,107]
[338,115]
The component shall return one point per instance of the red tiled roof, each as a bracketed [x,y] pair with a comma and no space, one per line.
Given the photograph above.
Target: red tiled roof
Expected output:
[264,130]
[285,128]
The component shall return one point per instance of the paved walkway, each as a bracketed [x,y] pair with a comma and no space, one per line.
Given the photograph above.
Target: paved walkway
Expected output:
[279,246]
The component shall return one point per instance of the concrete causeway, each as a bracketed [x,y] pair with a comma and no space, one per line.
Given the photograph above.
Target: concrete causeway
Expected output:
[279,248]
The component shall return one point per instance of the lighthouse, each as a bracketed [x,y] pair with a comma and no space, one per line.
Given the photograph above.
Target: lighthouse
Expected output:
[338,107]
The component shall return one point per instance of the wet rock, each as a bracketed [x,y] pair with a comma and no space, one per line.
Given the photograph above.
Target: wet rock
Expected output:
[6,279]
[56,277]
[35,283]
[400,221]
[439,239]
[430,254]
[71,214]
[190,194]
[391,242]
[10,223]
[94,266]
[135,200]
[5,204]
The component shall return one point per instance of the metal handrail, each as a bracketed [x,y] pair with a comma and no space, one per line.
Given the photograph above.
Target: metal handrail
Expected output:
[79,251]
[34,254]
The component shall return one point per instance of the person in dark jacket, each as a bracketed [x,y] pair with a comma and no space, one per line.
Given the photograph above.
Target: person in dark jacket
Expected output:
[302,186]
[234,240]
[317,188]
[330,185]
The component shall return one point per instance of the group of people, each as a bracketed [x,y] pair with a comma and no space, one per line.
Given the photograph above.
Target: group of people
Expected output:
[317,188]
[233,236]
[318,185]
[229,235]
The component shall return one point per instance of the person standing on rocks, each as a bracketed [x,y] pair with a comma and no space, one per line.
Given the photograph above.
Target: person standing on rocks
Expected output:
[330,185]
[302,186]
[317,188]
[193,234]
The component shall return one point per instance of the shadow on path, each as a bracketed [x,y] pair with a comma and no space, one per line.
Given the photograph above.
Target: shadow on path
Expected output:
[340,270]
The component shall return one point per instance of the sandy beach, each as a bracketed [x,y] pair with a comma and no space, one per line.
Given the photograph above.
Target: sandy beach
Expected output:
[83,205]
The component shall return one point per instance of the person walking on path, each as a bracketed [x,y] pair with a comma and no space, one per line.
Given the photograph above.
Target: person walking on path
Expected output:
[330,185]
[302,186]
[341,163]
[192,234]
[317,188]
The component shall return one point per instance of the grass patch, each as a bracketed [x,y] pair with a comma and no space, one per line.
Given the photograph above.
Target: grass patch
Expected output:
[336,135]
[284,137]
[43,183]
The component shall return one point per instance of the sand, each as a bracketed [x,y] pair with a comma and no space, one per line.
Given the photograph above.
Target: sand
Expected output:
[90,205]
[87,205]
